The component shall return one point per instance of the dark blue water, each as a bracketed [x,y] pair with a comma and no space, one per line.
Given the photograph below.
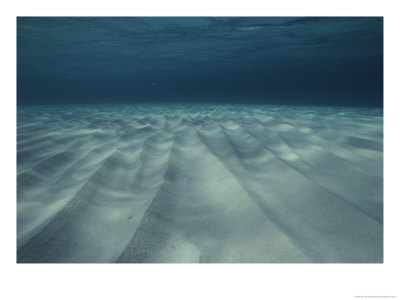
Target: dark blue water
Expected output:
[297,61]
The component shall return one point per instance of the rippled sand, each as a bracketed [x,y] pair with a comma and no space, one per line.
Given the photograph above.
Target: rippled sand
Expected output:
[199,184]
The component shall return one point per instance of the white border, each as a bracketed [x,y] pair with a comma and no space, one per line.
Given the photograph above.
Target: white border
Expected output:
[257,281]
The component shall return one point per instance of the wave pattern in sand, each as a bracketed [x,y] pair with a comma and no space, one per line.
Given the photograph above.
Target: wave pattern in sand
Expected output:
[199,184]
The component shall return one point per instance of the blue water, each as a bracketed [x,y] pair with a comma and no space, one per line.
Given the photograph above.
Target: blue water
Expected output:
[200,140]
[298,61]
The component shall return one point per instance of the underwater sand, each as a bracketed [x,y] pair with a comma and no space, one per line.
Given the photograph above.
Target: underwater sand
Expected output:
[198,183]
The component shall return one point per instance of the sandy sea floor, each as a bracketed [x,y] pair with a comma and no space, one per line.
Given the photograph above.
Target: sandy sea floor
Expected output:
[264,184]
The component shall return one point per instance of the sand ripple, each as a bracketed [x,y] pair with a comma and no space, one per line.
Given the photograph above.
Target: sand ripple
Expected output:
[199,184]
